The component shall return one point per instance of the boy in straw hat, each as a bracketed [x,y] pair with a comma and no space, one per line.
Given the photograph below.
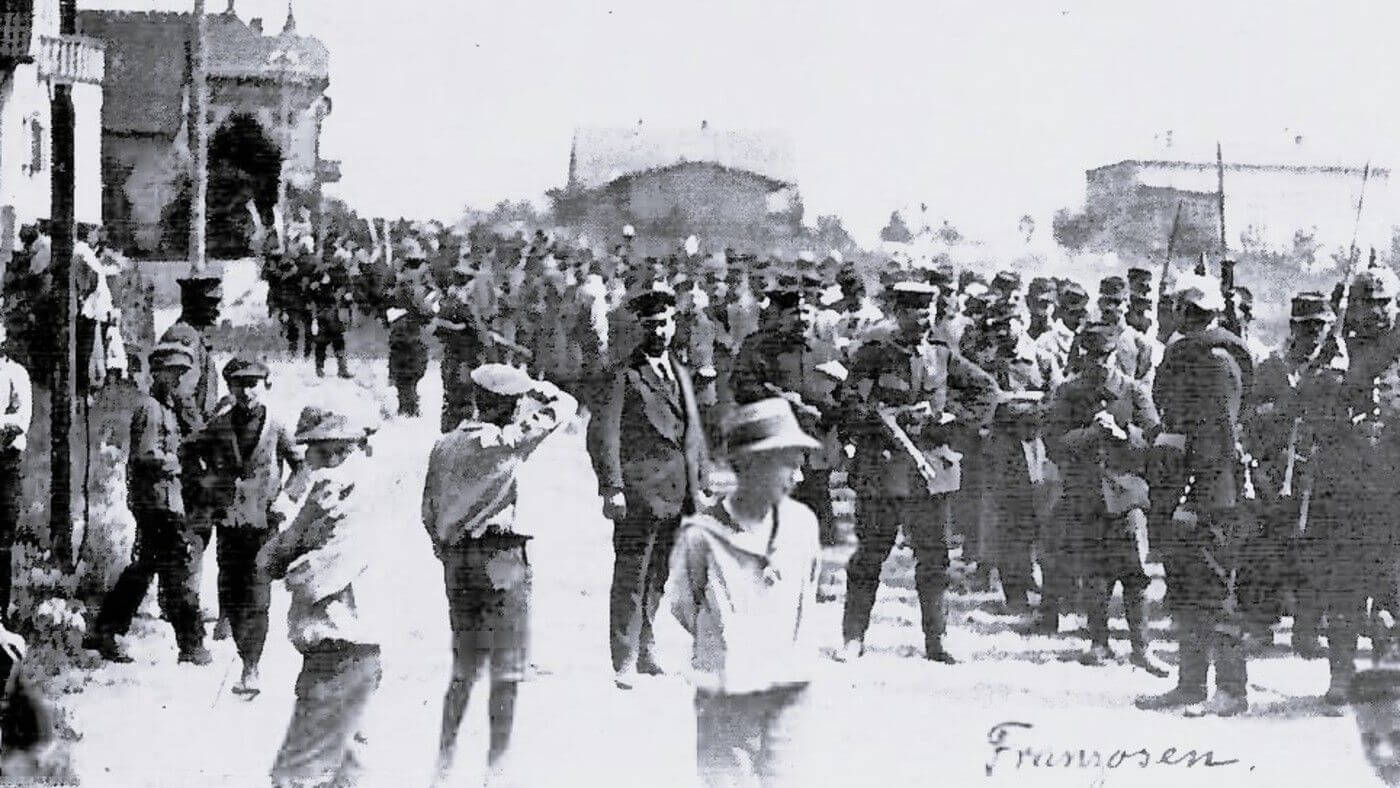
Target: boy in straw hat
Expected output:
[743,582]
[322,555]
[469,510]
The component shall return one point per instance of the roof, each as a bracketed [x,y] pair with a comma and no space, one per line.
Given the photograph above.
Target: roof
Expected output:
[602,155]
[147,68]
[1211,166]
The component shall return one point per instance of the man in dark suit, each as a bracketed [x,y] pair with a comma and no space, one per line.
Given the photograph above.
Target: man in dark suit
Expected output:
[651,468]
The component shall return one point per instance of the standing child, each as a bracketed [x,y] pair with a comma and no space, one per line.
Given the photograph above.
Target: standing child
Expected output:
[743,583]
[469,511]
[322,555]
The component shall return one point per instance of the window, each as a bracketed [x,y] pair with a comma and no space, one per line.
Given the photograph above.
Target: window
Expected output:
[35,127]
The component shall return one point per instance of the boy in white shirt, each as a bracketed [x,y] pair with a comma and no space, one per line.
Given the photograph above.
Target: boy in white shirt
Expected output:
[743,583]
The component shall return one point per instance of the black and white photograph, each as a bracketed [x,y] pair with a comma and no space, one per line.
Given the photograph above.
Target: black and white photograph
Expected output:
[674,393]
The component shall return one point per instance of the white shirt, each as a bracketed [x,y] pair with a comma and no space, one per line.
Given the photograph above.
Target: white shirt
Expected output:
[661,365]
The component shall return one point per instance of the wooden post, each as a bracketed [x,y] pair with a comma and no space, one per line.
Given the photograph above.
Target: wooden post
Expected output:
[63,393]
[199,140]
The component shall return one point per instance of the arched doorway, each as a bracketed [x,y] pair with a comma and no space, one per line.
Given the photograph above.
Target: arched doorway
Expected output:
[243,165]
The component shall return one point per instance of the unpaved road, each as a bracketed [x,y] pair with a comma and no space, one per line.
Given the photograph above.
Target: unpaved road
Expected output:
[891,719]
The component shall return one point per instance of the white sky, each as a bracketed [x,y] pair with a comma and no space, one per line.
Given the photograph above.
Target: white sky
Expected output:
[983,110]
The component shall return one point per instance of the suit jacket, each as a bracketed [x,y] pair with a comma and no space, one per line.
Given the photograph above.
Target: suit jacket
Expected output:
[258,475]
[652,446]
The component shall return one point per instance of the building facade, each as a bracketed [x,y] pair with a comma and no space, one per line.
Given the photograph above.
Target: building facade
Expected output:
[670,183]
[267,102]
[33,58]
[1266,205]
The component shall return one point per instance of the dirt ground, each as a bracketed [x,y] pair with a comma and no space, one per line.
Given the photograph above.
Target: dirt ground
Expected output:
[890,719]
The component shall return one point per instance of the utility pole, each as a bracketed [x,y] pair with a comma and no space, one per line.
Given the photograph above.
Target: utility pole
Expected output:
[199,141]
[63,392]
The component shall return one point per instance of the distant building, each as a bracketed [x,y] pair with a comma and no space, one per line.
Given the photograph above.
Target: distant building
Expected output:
[33,58]
[1265,204]
[669,183]
[266,105]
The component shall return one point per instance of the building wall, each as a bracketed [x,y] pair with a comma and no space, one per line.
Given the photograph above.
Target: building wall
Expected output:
[1268,204]
[702,198]
[24,99]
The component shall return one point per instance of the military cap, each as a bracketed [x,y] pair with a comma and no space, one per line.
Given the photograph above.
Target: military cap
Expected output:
[1019,406]
[1136,275]
[941,276]
[1006,281]
[1042,289]
[206,288]
[245,366]
[653,303]
[1000,313]
[1311,306]
[1113,287]
[1099,338]
[908,293]
[1201,291]
[967,277]
[806,257]
[502,379]
[835,254]
[1377,283]
[1073,293]
[171,355]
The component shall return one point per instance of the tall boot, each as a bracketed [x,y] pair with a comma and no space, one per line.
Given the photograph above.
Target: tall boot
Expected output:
[342,366]
[1191,672]
[1307,616]
[1341,656]
[320,351]
[934,617]
[1135,611]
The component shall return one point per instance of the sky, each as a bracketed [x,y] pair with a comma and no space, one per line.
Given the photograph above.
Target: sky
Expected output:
[983,111]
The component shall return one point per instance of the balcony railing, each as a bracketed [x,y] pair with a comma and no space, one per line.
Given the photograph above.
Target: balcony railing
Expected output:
[70,58]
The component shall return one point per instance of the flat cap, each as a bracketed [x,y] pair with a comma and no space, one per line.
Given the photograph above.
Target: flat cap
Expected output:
[322,424]
[652,302]
[1073,293]
[502,379]
[171,355]
[245,366]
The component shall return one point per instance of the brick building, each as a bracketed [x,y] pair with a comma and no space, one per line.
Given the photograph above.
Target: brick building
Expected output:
[266,105]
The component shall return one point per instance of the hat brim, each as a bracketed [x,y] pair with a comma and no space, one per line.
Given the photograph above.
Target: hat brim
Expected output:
[791,440]
[321,436]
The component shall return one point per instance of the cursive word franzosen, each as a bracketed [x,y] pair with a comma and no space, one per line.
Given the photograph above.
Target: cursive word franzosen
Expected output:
[1017,756]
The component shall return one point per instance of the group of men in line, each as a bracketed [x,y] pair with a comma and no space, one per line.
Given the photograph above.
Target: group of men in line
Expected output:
[1046,431]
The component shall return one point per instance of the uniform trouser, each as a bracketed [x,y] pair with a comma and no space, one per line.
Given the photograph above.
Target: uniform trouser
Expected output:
[408,361]
[298,328]
[641,563]
[168,548]
[746,736]
[1201,641]
[11,493]
[1346,611]
[925,521]
[333,338]
[814,491]
[245,593]
[1016,533]
[324,745]
[457,365]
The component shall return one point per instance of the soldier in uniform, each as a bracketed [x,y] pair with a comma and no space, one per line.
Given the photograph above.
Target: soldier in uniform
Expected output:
[1099,427]
[1071,310]
[460,328]
[329,295]
[1357,473]
[910,373]
[413,305]
[781,359]
[1133,355]
[1288,406]
[1041,296]
[166,544]
[1204,377]
[299,271]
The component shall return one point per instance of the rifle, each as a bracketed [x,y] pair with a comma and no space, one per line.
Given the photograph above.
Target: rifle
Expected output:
[1166,271]
[1230,320]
